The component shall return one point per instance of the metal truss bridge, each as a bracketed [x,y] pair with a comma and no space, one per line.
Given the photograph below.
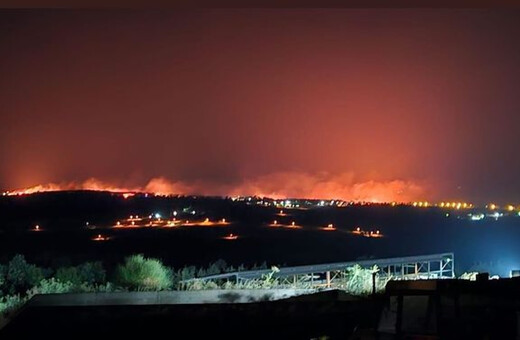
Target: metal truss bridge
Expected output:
[435,266]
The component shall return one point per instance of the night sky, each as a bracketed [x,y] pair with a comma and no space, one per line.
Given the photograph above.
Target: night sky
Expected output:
[354,104]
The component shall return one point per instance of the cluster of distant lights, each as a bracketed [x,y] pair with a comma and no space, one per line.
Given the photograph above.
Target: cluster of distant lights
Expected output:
[156,220]
[329,227]
[464,205]
[452,205]
[304,204]
[293,203]
[367,233]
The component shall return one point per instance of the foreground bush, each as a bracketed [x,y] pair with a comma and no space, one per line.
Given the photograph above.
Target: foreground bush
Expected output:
[142,274]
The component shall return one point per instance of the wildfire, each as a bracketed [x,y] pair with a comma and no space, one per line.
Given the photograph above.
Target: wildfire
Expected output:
[276,185]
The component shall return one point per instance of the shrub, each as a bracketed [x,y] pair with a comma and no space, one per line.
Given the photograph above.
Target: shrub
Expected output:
[471,276]
[10,304]
[50,286]
[201,285]
[140,273]
[358,280]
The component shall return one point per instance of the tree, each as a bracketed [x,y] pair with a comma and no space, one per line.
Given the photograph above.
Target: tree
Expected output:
[88,273]
[21,275]
[217,267]
[140,273]
[68,274]
[92,273]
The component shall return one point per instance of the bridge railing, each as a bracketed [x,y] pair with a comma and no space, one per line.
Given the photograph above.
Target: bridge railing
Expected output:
[434,266]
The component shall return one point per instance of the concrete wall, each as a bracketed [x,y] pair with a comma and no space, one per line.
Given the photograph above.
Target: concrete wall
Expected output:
[166,298]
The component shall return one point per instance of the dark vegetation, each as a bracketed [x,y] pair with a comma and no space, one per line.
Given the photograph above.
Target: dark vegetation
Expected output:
[20,280]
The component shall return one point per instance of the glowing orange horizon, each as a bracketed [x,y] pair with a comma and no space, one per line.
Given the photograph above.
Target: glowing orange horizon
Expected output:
[277,186]
[127,193]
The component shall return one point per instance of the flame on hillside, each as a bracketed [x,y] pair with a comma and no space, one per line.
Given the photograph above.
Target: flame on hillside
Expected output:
[276,185]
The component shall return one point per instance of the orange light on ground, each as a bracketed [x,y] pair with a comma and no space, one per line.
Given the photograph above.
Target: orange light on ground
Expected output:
[274,224]
[100,237]
[133,223]
[118,223]
[222,222]
[171,223]
[371,233]
[329,227]
[127,194]
[374,234]
[206,220]
[37,228]
[359,231]
[293,225]
[230,237]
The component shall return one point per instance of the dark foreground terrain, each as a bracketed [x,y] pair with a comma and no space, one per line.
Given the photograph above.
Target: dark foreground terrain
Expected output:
[326,314]
[427,309]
